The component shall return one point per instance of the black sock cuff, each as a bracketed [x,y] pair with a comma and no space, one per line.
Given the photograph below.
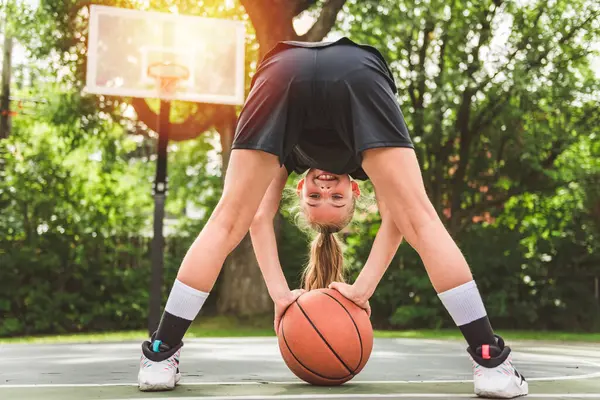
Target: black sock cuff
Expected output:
[161,356]
[478,332]
[172,329]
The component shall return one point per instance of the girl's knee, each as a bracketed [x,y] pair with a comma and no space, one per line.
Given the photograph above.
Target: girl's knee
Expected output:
[416,223]
[233,217]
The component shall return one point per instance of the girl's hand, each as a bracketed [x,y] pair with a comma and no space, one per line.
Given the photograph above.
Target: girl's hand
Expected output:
[282,304]
[353,294]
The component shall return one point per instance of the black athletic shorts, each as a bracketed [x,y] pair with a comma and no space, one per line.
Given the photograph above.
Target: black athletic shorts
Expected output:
[320,105]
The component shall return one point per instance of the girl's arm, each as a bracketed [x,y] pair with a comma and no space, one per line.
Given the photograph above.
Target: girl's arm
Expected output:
[262,234]
[384,248]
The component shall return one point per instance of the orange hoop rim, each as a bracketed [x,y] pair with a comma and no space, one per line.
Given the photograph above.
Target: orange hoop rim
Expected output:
[167,75]
[166,70]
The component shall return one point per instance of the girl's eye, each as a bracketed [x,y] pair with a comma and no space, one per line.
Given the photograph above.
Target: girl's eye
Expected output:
[338,196]
[314,196]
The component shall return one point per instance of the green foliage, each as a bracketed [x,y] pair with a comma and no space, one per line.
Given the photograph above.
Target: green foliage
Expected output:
[68,221]
[76,214]
[503,107]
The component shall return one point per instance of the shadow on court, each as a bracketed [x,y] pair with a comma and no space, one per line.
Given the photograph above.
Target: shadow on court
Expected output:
[252,368]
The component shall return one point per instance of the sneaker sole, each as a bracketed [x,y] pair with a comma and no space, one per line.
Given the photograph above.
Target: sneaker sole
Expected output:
[146,386]
[506,393]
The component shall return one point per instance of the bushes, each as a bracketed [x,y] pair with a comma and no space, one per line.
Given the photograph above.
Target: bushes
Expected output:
[76,213]
[72,252]
[535,266]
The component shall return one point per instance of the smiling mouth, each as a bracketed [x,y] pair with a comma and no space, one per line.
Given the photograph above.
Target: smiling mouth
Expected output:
[326,177]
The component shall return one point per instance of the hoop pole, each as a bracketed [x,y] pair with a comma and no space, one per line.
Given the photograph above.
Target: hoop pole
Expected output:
[160,194]
[5,125]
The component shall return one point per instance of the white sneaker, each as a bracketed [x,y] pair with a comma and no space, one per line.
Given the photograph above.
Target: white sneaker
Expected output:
[494,375]
[159,370]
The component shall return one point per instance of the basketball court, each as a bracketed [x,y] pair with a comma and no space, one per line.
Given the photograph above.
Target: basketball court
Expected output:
[252,368]
[147,55]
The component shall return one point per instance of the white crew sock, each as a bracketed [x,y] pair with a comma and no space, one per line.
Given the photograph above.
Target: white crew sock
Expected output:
[185,301]
[463,303]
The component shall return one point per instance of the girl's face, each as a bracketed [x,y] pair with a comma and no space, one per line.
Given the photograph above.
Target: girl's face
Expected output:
[327,198]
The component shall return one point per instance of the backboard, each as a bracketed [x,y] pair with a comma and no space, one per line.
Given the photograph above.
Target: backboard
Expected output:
[123,43]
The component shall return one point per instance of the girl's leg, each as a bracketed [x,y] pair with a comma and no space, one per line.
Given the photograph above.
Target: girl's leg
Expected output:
[415,215]
[248,176]
[397,178]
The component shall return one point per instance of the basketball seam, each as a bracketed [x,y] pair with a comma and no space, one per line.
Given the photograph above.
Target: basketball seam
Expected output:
[355,326]
[325,341]
[300,362]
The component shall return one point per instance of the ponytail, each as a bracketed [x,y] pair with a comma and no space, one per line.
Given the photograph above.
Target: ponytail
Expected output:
[326,263]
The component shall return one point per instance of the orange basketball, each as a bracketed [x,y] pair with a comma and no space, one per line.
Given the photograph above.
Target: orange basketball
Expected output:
[324,338]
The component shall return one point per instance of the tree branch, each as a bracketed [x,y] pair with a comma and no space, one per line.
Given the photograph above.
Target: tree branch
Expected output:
[464,112]
[443,149]
[301,6]
[420,80]
[483,119]
[411,70]
[272,22]
[439,81]
[487,115]
[502,147]
[521,46]
[465,139]
[325,22]
[578,27]
[189,129]
[484,36]
[429,27]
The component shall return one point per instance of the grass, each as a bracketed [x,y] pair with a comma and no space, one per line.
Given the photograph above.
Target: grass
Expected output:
[233,327]
[508,334]
[206,327]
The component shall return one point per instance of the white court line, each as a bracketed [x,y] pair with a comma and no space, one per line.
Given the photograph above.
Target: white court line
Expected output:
[371,396]
[542,379]
[255,383]
[361,396]
[299,383]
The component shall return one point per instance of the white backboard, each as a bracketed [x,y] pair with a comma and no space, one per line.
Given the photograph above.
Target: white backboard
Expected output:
[122,43]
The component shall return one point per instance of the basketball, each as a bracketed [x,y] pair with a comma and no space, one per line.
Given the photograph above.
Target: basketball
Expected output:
[324,338]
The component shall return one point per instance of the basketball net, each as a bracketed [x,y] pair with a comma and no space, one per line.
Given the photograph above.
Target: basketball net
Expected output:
[167,87]
[167,75]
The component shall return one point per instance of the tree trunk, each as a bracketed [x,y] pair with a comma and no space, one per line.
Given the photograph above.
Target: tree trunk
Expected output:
[242,290]
[5,92]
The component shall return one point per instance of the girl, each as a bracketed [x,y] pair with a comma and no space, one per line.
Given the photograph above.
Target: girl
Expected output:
[329,108]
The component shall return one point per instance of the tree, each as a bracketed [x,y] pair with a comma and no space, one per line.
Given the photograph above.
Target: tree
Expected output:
[273,22]
[60,29]
[503,109]
[494,91]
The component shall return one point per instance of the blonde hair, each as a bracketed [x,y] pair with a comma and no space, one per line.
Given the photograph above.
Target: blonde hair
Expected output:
[326,262]
[326,259]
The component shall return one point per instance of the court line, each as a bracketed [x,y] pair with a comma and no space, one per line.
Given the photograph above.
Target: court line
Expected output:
[371,396]
[258,383]
[542,379]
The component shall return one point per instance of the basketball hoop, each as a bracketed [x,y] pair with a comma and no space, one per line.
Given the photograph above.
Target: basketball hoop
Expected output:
[167,75]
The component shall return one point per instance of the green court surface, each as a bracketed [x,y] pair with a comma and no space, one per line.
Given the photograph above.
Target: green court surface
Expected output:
[252,368]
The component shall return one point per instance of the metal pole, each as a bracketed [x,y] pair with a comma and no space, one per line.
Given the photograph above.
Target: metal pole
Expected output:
[5,92]
[160,194]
